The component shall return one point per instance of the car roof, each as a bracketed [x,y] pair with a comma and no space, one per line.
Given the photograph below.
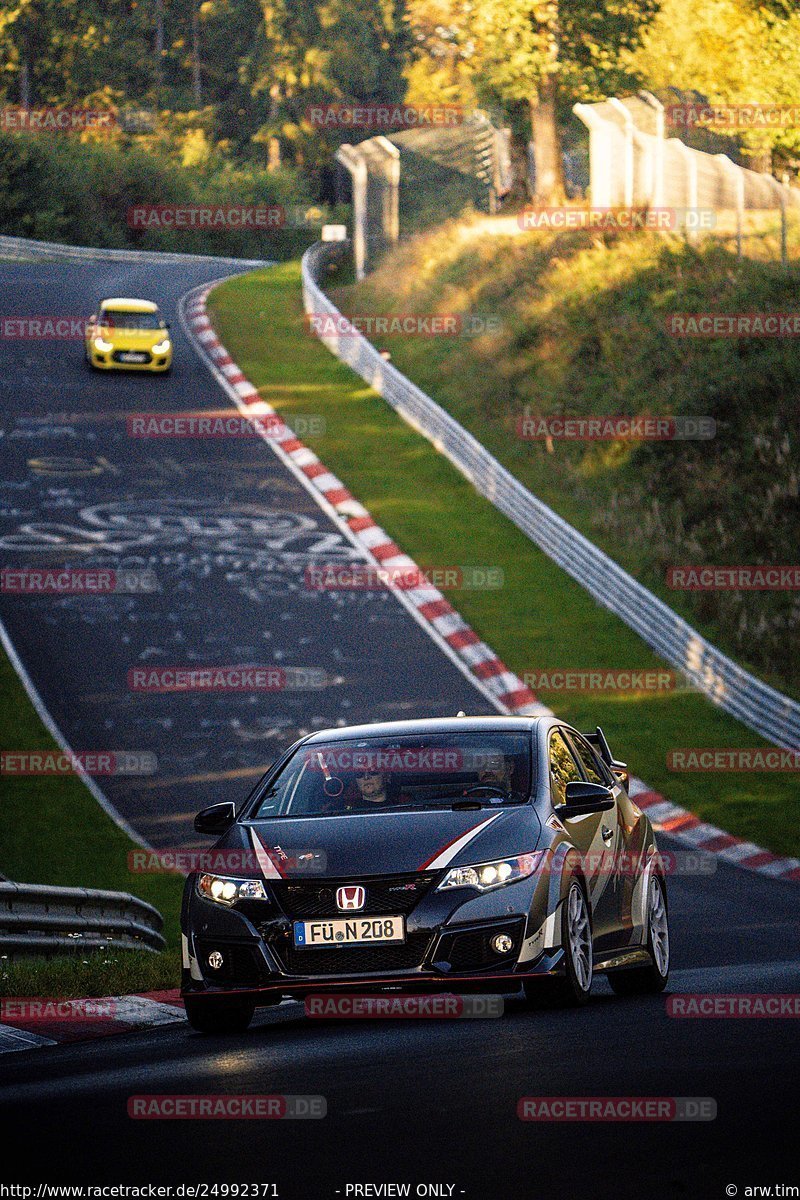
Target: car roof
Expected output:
[384,729]
[130,306]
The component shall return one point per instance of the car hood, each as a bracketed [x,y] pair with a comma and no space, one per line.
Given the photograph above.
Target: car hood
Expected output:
[384,843]
[137,339]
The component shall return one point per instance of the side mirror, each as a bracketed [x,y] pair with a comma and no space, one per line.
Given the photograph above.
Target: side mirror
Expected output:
[215,820]
[582,798]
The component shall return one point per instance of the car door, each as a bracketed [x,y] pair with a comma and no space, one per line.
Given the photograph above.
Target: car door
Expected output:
[584,830]
[606,853]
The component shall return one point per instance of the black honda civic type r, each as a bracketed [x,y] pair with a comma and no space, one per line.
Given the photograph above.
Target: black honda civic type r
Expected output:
[485,854]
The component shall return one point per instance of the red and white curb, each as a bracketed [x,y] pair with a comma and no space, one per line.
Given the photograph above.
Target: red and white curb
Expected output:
[685,827]
[28,1024]
[477,660]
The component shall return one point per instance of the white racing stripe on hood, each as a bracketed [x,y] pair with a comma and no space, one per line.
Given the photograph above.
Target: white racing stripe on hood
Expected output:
[268,868]
[448,854]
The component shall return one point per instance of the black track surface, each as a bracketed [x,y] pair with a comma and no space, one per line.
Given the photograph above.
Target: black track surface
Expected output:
[228,532]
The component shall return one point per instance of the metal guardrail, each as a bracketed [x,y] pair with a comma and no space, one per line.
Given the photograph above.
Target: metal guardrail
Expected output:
[24,249]
[37,919]
[726,684]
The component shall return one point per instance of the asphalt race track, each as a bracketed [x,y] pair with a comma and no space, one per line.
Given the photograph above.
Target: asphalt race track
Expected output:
[229,533]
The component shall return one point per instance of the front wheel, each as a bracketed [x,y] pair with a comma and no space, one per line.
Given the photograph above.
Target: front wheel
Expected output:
[218,1014]
[571,989]
[649,980]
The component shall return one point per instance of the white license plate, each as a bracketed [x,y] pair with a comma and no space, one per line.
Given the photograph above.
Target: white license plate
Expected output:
[132,356]
[349,931]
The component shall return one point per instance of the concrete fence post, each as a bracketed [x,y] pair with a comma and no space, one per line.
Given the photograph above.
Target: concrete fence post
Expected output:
[628,165]
[782,204]
[349,157]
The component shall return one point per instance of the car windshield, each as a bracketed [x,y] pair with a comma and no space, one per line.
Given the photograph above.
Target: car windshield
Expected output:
[401,773]
[128,320]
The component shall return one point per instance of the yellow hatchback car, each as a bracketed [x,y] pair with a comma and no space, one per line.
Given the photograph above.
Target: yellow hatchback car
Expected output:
[128,335]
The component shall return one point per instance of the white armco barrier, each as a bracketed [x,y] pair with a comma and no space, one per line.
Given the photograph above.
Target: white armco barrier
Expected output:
[706,668]
[25,249]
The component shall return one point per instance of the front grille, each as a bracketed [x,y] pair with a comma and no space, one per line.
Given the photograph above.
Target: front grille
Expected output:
[395,895]
[355,960]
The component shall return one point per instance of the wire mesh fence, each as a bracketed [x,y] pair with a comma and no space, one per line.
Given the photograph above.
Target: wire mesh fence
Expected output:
[419,177]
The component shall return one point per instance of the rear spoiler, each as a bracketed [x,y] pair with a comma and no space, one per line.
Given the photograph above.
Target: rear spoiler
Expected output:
[618,769]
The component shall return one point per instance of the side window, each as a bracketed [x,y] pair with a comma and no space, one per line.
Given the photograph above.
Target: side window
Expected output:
[593,768]
[563,768]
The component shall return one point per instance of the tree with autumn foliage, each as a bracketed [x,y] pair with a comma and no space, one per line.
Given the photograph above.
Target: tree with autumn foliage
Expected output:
[729,52]
[540,54]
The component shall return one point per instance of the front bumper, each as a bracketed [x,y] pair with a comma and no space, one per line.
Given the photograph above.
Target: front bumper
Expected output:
[156,364]
[447,948]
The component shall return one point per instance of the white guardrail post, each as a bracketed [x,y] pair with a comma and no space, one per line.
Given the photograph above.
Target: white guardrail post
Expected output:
[726,684]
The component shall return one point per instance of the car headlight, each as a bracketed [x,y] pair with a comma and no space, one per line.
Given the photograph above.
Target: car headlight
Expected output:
[225,890]
[102,345]
[161,347]
[485,876]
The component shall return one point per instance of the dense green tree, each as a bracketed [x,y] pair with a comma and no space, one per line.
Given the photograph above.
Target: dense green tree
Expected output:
[731,52]
[544,52]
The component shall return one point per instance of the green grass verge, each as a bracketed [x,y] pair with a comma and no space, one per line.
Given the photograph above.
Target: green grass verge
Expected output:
[581,327]
[540,618]
[104,973]
[55,832]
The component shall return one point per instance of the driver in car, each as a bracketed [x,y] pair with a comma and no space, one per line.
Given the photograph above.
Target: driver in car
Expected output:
[374,792]
[496,769]
[372,787]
